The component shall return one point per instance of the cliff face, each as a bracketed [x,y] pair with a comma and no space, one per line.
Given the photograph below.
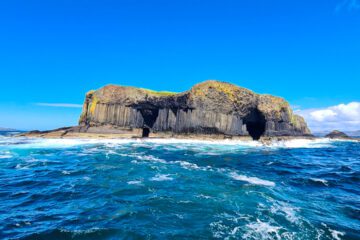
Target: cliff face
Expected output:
[210,107]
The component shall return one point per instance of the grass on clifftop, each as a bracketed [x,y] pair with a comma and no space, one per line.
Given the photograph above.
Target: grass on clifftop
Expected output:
[159,93]
[231,90]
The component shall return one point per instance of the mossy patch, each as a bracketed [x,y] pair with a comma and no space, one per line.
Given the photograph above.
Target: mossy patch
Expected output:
[159,93]
[94,102]
[230,90]
[273,106]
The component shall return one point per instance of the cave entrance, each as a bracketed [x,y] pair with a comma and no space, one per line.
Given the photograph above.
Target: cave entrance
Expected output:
[255,124]
[149,116]
[145,132]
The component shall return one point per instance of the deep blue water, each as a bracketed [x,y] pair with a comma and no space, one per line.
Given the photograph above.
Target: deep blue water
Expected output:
[168,189]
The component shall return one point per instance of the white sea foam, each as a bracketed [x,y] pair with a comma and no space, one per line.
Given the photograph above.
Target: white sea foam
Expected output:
[210,142]
[301,143]
[149,158]
[5,156]
[187,165]
[178,143]
[134,182]
[63,142]
[287,210]
[80,232]
[183,164]
[262,230]
[161,177]
[210,153]
[291,143]
[336,234]
[344,140]
[204,196]
[319,180]
[192,166]
[252,180]
[21,166]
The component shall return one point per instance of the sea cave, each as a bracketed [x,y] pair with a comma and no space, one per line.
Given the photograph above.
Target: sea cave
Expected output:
[255,124]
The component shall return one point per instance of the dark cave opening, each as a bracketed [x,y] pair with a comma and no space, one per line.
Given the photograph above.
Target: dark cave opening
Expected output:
[255,124]
[149,116]
[145,132]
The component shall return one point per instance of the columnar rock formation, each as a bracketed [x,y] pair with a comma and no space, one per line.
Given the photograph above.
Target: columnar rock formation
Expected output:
[210,107]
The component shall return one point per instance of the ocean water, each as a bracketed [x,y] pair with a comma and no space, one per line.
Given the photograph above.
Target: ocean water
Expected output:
[174,189]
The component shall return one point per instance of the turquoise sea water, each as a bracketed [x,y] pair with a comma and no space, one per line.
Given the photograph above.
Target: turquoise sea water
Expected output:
[173,189]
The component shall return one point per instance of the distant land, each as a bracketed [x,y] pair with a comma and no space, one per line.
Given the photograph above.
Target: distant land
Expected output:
[349,133]
[3,129]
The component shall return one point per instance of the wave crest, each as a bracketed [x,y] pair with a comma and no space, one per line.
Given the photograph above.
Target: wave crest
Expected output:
[161,177]
[252,180]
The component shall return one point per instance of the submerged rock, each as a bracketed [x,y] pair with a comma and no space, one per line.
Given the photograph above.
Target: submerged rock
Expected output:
[210,107]
[337,134]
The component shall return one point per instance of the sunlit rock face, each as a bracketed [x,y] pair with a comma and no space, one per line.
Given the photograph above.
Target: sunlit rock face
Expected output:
[210,107]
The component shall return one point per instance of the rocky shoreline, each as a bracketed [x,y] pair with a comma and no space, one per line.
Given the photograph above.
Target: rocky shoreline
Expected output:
[101,134]
[95,133]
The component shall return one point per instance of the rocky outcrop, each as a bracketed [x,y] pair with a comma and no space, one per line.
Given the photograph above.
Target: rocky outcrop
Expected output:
[337,135]
[211,107]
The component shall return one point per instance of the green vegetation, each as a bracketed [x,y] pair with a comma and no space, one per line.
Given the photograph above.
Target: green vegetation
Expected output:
[272,106]
[231,91]
[159,93]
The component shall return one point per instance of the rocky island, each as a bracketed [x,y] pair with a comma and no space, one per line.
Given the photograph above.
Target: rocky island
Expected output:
[336,134]
[211,108]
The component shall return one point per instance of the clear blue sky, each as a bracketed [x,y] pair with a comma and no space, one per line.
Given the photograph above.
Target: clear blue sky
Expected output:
[55,51]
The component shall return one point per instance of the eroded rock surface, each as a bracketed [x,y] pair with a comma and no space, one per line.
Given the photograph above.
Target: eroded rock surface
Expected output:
[210,107]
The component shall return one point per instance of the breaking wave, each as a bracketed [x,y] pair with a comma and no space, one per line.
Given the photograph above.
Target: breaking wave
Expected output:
[263,230]
[302,143]
[22,142]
